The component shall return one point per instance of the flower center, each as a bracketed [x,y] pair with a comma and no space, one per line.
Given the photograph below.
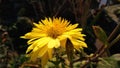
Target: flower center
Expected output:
[55,30]
[54,33]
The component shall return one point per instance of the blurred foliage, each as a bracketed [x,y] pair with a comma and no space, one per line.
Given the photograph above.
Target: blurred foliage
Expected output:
[110,62]
[16,19]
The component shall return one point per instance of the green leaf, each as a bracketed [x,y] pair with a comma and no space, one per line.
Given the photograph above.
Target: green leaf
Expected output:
[50,65]
[100,34]
[76,65]
[116,57]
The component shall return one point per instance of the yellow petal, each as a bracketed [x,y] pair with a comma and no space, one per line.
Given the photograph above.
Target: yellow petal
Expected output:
[42,51]
[44,59]
[37,43]
[83,44]
[41,42]
[57,43]
[31,47]
[36,25]
[78,36]
[53,43]
[31,35]
[62,37]
[78,43]
[33,55]
[50,52]
[31,41]
[70,27]
[74,31]
[63,43]
[47,21]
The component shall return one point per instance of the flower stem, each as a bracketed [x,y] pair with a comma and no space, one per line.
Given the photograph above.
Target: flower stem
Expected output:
[71,64]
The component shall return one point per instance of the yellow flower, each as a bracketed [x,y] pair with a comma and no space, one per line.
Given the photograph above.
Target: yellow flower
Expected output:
[52,33]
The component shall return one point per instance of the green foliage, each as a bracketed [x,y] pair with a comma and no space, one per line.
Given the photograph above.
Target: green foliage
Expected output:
[17,61]
[109,62]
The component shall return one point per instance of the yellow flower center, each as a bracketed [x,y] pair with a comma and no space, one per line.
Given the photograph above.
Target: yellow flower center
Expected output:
[55,30]
[53,33]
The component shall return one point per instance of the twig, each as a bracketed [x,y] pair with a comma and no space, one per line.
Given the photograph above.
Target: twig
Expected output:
[71,64]
[113,32]
[103,49]
[114,41]
[59,9]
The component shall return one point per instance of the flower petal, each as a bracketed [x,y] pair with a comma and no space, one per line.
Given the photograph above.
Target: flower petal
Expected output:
[78,43]
[71,27]
[42,51]
[33,55]
[54,43]
[41,42]
[50,52]
[44,59]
